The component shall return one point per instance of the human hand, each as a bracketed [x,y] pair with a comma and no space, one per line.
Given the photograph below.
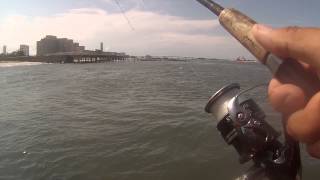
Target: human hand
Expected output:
[303,45]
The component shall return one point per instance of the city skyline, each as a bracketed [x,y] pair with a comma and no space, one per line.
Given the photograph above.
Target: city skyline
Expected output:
[52,44]
[173,28]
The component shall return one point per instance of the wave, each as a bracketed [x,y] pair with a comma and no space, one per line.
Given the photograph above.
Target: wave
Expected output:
[14,64]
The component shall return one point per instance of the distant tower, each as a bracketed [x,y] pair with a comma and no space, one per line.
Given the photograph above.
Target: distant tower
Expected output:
[25,49]
[101,46]
[4,50]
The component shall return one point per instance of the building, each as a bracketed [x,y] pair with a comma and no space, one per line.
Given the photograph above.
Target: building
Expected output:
[52,44]
[47,45]
[101,46]
[78,48]
[82,48]
[4,50]
[25,49]
[65,45]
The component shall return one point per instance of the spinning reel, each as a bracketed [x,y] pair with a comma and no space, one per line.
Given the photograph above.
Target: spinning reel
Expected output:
[242,124]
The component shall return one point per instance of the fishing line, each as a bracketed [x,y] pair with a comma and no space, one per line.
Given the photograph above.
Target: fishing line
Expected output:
[124,14]
[253,88]
[195,73]
[143,4]
[209,89]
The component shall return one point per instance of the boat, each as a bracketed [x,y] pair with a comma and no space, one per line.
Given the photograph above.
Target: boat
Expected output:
[242,59]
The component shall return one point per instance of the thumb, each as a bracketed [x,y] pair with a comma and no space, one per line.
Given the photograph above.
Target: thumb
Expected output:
[291,42]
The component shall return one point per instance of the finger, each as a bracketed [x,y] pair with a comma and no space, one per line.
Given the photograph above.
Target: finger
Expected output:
[309,68]
[304,125]
[291,42]
[286,98]
[314,149]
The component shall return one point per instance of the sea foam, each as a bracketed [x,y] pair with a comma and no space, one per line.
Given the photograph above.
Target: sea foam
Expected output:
[14,64]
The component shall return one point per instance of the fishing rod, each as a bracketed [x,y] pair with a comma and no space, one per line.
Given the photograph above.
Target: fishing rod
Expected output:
[124,15]
[239,26]
[143,4]
[241,121]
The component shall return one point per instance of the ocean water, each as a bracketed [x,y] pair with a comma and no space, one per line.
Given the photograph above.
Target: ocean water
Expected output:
[121,121]
[14,64]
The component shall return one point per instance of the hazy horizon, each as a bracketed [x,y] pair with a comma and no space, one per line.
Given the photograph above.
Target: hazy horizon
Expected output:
[170,28]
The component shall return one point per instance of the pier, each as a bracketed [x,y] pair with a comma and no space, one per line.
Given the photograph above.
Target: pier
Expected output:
[52,49]
[84,57]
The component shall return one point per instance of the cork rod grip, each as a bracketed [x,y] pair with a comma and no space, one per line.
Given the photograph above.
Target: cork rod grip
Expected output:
[288,71]
[239,26]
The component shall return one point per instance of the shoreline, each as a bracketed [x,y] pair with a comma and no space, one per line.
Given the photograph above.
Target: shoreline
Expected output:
[21,59]
[13,61]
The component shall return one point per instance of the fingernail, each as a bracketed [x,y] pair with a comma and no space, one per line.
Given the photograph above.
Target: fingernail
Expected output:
[262,33]
[263,29]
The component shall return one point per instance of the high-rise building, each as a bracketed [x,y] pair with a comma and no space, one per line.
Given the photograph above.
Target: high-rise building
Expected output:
[4,50]
[65,45]
[52,44]
[47,45]
[101,46]
[25,49]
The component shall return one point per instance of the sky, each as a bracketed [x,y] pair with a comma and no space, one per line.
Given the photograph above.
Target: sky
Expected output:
[155,27]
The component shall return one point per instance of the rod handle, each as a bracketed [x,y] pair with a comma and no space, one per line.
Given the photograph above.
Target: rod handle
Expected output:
[288,71]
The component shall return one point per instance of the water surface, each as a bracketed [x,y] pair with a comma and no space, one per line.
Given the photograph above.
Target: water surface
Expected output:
[120,121]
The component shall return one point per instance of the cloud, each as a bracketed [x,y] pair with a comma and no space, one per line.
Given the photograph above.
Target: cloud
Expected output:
[154,33]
